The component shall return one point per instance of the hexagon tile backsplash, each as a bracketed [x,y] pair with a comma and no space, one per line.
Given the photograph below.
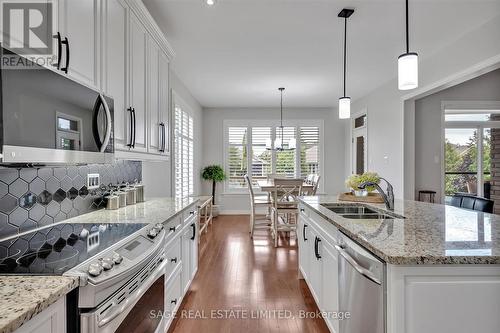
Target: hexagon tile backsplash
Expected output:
[36,197]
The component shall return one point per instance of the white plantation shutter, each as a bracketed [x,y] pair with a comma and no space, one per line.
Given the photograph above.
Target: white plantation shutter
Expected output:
[285,160]
[309,151]
[184,146]
[261,153]
[237,156]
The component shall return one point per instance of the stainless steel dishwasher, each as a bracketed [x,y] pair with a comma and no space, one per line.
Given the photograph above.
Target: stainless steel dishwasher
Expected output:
[361,289]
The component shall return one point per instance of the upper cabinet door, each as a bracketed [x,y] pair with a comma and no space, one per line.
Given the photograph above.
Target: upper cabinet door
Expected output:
[115,78]
[155,125]
[79,26]
[138,70]
[164,107]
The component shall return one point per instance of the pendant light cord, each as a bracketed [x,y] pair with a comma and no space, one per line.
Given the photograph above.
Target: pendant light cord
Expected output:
[345,51]
[407,29]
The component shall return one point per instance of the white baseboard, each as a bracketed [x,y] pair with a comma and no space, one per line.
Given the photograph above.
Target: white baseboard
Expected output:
[234,212]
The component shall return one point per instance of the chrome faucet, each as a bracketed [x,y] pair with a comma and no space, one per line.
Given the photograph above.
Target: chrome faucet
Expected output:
[388,197]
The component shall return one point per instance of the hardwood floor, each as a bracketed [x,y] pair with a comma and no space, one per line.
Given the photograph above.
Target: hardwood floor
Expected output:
[241,279]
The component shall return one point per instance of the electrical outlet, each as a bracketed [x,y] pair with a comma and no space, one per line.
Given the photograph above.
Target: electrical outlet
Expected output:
[93,181]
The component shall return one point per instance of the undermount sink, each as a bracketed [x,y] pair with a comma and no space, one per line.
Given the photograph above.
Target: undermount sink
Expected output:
[367,216]
[359,212]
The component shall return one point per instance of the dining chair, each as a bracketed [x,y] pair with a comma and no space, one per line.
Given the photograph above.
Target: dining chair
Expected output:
[257,221]
[285,206]
[309,179]
[315,184]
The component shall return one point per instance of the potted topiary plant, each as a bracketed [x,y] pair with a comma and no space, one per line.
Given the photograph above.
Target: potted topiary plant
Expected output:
[216,174]
[355,180]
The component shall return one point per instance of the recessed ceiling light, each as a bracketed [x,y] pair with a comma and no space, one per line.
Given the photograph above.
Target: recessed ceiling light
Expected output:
[210,2]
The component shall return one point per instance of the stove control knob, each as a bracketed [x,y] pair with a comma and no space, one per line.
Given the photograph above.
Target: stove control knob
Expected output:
[95,269]
[117,258]
[107,263]
[152,233]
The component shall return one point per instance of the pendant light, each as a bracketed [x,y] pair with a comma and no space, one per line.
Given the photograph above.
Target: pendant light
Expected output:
[279,144]
[407,64]
[344,101]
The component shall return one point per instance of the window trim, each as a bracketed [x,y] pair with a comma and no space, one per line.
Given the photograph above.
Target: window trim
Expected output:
[177,100]
[249,123]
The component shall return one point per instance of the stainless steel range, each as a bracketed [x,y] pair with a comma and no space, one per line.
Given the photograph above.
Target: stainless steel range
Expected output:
[120,267]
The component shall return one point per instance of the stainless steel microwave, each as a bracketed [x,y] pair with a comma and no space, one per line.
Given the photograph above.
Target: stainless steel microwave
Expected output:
[47,118]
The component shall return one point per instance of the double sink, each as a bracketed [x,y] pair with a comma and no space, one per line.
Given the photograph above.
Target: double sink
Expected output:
[358,212]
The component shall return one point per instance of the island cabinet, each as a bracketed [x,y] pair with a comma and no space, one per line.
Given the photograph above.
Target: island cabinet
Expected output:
[318,264]
[50,320]
[421,294]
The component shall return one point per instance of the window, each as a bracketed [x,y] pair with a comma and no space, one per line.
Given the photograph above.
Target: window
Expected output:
[359,145]
[250,150]
[184,145]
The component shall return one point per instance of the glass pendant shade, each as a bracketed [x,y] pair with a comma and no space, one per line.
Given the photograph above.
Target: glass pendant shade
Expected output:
[408,71]
[344,107]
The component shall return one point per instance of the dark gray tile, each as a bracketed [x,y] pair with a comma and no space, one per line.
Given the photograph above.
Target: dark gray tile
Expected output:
[37,212]
[72,193]
[37,185]
[66,183]
[28,200]
[37,240]
[18,247]
[59,173]
[83,191]
[53,208]
[18,188]
[53,235]
[44,198]
[59,195]
[45,173]
[6,229]
[28,174]
[18,216]
[8,203]
[66,205]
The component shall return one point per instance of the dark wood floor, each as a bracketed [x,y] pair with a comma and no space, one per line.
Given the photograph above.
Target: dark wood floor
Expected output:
[240,277]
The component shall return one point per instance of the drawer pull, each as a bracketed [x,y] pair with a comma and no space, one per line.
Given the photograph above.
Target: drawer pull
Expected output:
[174,301]
[172,229]
[174,260]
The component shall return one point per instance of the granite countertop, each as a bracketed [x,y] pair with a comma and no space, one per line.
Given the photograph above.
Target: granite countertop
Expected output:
[430,234]
[23,297]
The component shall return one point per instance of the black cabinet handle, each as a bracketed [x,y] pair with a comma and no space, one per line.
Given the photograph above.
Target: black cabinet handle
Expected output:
[162,137]
[302,210]
[194,231]
[131,127]
[174,260]
[172,229]
[66,42]
[304,232]
[135,126]
[174,301]
[316,248]
[59,49]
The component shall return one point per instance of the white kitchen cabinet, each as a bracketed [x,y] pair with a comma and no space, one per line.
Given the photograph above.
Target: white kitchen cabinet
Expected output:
[304,248]
[164,106]
[50,320]
[155,125]
[115,73]
[189,240]
[315,268]
[138,70]
[79,23]
[329,283]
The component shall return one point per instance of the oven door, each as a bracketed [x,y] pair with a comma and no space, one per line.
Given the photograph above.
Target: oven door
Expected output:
[136,308]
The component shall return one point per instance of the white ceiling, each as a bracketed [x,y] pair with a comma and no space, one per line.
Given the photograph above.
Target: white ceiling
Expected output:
[238,52]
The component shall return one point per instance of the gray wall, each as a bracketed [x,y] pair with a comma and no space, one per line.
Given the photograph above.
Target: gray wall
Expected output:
[428,142]
[32,198]
[333,136]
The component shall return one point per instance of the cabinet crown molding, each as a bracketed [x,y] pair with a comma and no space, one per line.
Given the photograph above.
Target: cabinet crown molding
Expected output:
[137,6]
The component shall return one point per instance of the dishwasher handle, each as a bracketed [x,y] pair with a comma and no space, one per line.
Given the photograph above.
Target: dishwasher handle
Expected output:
[360,269]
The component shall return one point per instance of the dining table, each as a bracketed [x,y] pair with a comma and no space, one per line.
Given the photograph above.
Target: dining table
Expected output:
[268,186]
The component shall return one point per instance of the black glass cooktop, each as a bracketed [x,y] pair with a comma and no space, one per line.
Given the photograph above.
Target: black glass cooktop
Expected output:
[58,248]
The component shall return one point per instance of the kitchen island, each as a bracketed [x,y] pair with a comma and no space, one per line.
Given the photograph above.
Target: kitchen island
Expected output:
[441,264]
